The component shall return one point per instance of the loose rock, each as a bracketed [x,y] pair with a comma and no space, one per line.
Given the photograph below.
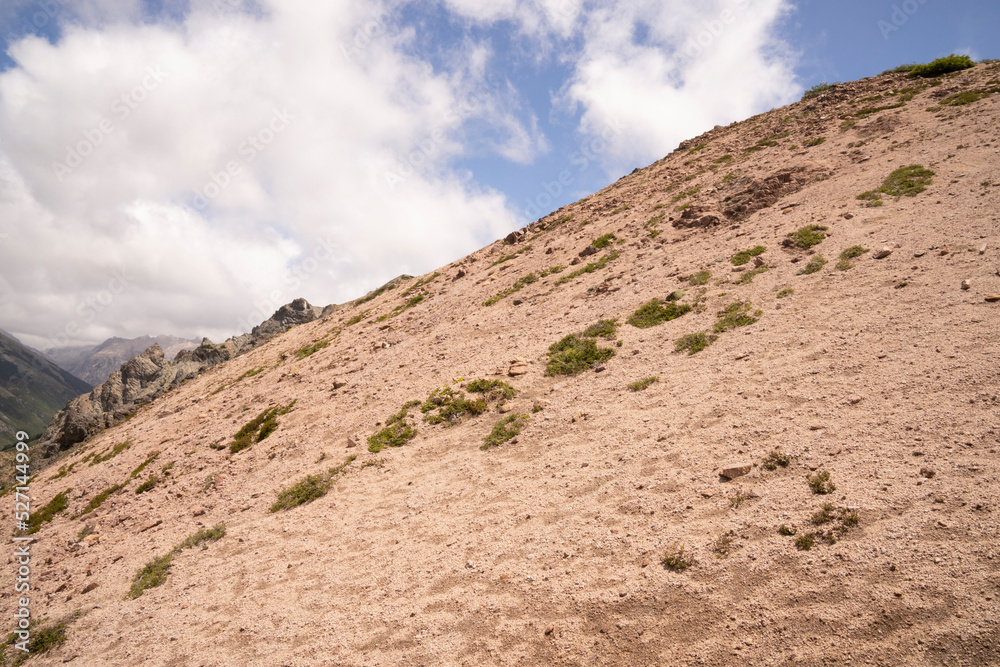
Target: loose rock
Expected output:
[736,470]
[883,253]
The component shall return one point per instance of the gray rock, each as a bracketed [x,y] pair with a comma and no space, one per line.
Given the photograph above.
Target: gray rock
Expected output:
[736,470]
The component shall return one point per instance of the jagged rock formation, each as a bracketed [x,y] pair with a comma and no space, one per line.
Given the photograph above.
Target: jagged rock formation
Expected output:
[95,364]
[149,374]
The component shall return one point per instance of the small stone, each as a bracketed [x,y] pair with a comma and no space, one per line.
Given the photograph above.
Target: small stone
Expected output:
[883,253]
[982,250]
[816,427]
[736,470]
[89,587]
[549,630]
[898,594]
[518,302]
[579,417]
[919,254]
[199,511]
[707,493]
[517,370]
[600,369]
[966,284]
[992,298]
[353,441]
[338,384]
[927,472]
[151,524]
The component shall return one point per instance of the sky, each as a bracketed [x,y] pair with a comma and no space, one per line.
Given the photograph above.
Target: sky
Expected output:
[185,167]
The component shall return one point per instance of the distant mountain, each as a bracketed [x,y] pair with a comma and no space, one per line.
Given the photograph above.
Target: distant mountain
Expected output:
[95,364]
[32,390]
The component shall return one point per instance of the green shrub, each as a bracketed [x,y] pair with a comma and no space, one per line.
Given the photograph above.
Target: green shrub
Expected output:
[574,354]
[853,251]
[808,236]
[602,329]
[820,483]
[101,457]
[699,278]
[99,499]
[153,574]
[941,66]
[748,277]
[493,390]
[311,349]
[901,69]
[806,541]
[258,428]
[309,488]
[654,312]
[506,258]
[814,265]
[603,241]
[907,181]
[449,406]
[744,256]
[815,141]
[694,343]
[817,89]
[675,559]
[58,503]
[394,435]
[148,485]
[788,291]
[736,314]
[518,285]
[642,384]
[202,537]
[775,459]
[504,430]
[786,530]
[590,268]
[872,197]
[968,97]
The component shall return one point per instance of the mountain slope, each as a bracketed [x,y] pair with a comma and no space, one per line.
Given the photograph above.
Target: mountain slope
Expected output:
[602,532]
[95,364]
[32,390]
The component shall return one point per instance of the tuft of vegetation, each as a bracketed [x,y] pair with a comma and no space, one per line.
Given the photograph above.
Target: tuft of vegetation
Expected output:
[814,265]
[507,258]
[786,530]
[694,343]
[504,430]
[941,66]
[99,499]
[148,485]
[805,541]
[697,148]
[699,278]
[142,466]
[901,69]
[815,141]
[775,459]
[357,318]
[907,181]
[644,383]
[748,277]
[249,374]
[44,515]
[202,537]
[872,198]
[518,285]
[101,456]
[744,256]
[590,268]
[736,314]
[311,349]
[820,483]
[817,89]
[967,97]
[448,406]
[723,546]
[574,354]
[258,428]
[310,487]
[848,254]
[396,432]
[63,472]
[788,291]
[675,559]
[151,575]
[603,241]
[413,301]
[808,236]
[423,281]
[607,329]
[655,312]
[41,640]
[492,390]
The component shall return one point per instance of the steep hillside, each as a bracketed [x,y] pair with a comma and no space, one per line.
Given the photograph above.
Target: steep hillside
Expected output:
[811,479]
[96,363]
[32,390]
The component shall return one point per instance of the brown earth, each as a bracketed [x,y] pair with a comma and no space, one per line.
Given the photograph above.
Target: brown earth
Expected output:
[547,549]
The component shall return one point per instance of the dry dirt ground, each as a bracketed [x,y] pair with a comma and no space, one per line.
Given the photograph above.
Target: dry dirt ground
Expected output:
[547,549]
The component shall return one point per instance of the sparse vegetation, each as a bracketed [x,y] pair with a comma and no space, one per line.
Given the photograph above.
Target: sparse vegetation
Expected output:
[423,281]
[805,541]
[848,254]
[941,66]
[101,456]
[907,181]
[736,314]
[775,459]
[152,574]
[817,89]
[872,198]
[304,352]
[967,97]
[504,430]
[607,329]
[99,499]
[737,500]
[814,265]
[507,258]
[694,342]
[603,241]
[518,285]
[820,483]
[44,515]
[258,428]
[448,406]
[744,256]
[786,530]
[644,383]
[250,373]
[655,312]
[808,236]
[492,390]
[786,292]
[675,559]
[310,487]
[723,545]
[815,141]
[397,431]
[575,354]
[410,303]
[590,268]
[202,537]
[699,278]
[748,277]
[148,485]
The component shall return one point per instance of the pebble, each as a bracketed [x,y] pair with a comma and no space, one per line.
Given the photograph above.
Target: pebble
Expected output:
[883,253]
[992,298]
[966,284]
[736,470]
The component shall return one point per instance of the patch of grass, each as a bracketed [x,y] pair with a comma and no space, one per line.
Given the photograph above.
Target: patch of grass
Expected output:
[258,428]
[677,560]
[518,285]
[41,641]
[848,254]
[815,141]
[748,277]
[723,546]
[744,256]
[152,574]
[820,483]
[590,268]
[357,318]
[63,471]
[513,255]
[202,537]
[410,303]
[574,354]
[694,343]
[775,459]
[83,532]
[946,65]
[447,406]
[907,181]
[396,432]
[817,89]
[311,349]
[309,488]
[44,515]
[787,292]
[607,329]
[736,501]
[736,314]
[786,530]
[620,209]
[603,241]
[699,278]
[872,197]
[805,541]
[101,457]
[655,312]
[728,177]
[493,390]
[644,383]
[99,499]
[685,193]
[142,466]
[808,236]
[148,485]
[423,281]
[249,374]
[814,265]
[968,97]
[697,148]
[504,430]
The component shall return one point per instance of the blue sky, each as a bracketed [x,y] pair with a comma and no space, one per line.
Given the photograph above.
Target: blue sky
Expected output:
[212,159]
